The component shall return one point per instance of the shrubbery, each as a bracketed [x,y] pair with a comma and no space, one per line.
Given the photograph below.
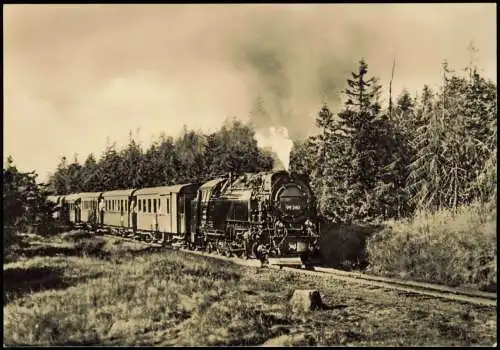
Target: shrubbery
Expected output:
[445,247]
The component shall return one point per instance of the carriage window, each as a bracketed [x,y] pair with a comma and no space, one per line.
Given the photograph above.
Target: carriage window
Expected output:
[154,205]
[140,205]
[168,205]
[159,204]
[149,205]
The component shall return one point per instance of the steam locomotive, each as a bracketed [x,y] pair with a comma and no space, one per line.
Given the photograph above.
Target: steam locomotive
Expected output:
[252,215]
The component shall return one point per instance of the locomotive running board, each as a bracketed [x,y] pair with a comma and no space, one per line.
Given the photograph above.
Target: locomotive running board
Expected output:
[285,261]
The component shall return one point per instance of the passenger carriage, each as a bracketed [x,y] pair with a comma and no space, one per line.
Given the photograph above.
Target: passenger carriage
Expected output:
[114,210]
[73,204]
[163,213]
[89,211]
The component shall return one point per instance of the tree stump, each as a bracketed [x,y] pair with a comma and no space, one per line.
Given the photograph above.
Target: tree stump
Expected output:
[304,300]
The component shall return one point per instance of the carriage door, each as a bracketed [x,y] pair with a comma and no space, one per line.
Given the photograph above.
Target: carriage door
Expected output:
[181,217]
[187,210]
[195,217]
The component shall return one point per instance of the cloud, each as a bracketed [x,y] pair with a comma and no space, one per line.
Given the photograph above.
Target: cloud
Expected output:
[76,74]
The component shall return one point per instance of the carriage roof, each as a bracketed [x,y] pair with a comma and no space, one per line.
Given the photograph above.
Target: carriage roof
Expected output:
[118,193]
[162,189]
[73,197]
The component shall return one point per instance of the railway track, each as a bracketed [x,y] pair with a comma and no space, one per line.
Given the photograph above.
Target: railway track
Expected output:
[433,290]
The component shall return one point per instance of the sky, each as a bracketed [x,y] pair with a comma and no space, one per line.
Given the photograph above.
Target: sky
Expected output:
[79,76]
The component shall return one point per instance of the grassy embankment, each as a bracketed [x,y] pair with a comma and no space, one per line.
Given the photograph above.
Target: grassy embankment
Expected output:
[74,289]
[456,249]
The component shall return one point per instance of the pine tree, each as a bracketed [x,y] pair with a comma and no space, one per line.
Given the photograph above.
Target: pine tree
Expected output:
[75,176]
[361,156]
[110,177]
[190,149]
[60,180]
[90,175]
[25,203]
[131,165]
[303,157]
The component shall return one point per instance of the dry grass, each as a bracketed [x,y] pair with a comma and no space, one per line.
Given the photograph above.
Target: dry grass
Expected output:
[138,297]
[443,247]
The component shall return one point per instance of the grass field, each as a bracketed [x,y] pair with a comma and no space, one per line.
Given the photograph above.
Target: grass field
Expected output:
[78,290]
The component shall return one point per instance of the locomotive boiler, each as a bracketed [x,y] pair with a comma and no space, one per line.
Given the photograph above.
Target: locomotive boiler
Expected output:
[256,215]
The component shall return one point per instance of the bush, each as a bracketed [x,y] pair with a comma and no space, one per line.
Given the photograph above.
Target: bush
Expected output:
[441,247]
[344,245]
